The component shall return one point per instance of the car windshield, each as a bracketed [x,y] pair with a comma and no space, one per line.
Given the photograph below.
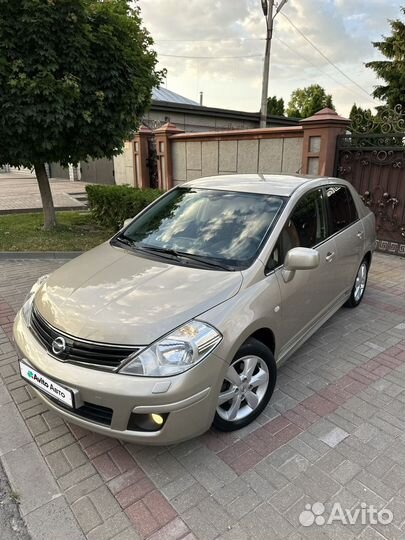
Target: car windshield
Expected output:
[210,226]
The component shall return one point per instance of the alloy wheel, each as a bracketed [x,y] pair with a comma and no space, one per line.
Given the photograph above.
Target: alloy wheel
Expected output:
[243,388]
[360,283]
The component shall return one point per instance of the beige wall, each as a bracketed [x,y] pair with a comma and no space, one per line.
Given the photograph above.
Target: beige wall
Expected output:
[124,166]
[194,159]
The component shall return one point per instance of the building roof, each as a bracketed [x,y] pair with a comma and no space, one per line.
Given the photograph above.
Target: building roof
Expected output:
[167,101]
[214,112]
[269,184]
[163,94]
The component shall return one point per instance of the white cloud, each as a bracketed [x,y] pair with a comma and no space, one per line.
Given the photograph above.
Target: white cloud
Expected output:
[342,29]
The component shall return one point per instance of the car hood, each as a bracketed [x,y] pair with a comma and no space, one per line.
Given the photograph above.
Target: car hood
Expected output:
[113,295]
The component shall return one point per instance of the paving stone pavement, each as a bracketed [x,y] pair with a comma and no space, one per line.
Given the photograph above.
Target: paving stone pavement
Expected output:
[333,433]
[19,192]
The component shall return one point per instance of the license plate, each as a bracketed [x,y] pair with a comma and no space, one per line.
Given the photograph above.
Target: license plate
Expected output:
[47,385]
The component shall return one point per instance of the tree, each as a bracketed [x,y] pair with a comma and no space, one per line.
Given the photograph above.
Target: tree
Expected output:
[305,102]
[392,69]
[362,120]
[275,106]
[75,78]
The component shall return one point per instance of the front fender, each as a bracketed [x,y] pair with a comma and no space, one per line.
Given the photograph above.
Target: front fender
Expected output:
[252,309]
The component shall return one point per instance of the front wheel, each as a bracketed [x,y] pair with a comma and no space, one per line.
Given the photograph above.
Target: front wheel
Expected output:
[359,286]
[247,387]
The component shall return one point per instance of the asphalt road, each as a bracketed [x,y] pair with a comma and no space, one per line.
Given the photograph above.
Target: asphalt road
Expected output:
[12,526]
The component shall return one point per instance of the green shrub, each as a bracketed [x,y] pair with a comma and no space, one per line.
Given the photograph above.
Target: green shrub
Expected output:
[111,205]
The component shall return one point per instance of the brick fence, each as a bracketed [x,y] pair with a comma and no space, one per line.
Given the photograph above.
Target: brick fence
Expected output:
[308,148]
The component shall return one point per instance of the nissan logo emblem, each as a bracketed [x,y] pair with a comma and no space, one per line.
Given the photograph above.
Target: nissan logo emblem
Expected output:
[58,345]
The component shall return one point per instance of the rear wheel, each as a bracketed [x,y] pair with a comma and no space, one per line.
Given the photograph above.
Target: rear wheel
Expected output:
[359,286]
[247,387]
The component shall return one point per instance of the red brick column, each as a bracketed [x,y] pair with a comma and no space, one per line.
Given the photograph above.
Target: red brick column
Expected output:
[320,135]
[141,155]
[164,154]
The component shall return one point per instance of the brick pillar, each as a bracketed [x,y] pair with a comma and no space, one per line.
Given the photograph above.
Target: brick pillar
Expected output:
[164,154]
[141,156]
[320,135]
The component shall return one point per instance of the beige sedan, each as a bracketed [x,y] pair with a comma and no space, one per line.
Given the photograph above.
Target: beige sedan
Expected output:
[181,320]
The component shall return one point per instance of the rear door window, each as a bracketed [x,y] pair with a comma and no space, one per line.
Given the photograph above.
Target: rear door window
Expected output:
[342,210]
[354,216]
[307,224]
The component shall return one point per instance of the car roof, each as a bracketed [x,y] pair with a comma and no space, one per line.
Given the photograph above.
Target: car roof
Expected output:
[270,184]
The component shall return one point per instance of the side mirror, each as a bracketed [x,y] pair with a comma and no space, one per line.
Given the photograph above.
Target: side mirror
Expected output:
[299,258]
[127,222]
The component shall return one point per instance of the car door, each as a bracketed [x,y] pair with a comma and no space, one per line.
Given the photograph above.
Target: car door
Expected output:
[348,231]
[310,293]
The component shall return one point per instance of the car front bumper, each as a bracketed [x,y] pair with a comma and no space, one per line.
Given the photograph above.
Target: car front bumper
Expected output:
[190,399]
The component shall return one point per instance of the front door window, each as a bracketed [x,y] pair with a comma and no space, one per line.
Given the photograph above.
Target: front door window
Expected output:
[306,227]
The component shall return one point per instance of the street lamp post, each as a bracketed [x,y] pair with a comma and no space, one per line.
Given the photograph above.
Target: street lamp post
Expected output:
[268,8]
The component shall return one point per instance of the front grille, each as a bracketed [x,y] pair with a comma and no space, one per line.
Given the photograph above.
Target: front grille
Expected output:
[95,413]
[89,411]
[89,353]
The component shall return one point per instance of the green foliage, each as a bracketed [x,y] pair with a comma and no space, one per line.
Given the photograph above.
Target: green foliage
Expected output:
[387,122]
[75,231]
[111,205]
[305,102]
[75,78]
[275,106]
[363,120]
[392,69]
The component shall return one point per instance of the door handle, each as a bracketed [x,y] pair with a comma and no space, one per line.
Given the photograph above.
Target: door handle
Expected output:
[330,256]
[360,234]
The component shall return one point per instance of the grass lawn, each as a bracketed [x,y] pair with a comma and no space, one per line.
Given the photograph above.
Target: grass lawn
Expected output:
[76,231]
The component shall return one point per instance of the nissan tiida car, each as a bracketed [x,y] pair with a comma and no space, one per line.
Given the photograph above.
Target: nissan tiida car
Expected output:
[181,319]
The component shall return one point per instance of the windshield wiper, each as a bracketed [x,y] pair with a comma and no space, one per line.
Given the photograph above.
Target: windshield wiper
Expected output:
[124,239]
[182,254]
[167,253]
[203,260]
[158,249]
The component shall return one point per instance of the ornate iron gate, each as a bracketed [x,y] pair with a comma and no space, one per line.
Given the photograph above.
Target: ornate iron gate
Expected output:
[152,163]
[372,158]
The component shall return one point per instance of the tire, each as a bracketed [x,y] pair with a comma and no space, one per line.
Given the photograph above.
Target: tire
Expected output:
[253,362]
[359,286]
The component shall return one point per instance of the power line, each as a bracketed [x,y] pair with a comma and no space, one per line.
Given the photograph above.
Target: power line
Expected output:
[256,56]
[251,56]
[260,55]
[211,57]
[306,59]
[325,57]
[206,40]
[315,66]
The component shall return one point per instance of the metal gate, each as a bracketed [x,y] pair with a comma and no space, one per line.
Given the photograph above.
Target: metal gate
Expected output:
[152,163]
[372,158]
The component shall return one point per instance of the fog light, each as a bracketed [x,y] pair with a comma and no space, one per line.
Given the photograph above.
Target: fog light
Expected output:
[157,419]
[147,422]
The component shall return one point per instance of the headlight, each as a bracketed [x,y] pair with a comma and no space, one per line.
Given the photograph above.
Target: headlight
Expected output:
[29,299]
[175,353]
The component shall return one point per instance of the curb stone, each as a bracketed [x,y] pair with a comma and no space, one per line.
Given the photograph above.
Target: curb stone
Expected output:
[41,500]
[39,210]
[12,255]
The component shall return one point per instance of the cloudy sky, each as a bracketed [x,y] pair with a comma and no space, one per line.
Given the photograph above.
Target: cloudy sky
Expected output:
[220,30]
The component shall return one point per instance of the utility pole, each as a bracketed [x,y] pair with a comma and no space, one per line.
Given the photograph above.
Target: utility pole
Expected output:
[268,8]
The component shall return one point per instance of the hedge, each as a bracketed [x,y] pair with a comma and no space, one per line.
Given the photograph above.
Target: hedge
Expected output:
[111,205]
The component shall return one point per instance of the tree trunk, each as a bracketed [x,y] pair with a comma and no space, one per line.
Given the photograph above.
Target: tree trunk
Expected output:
[46,196]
